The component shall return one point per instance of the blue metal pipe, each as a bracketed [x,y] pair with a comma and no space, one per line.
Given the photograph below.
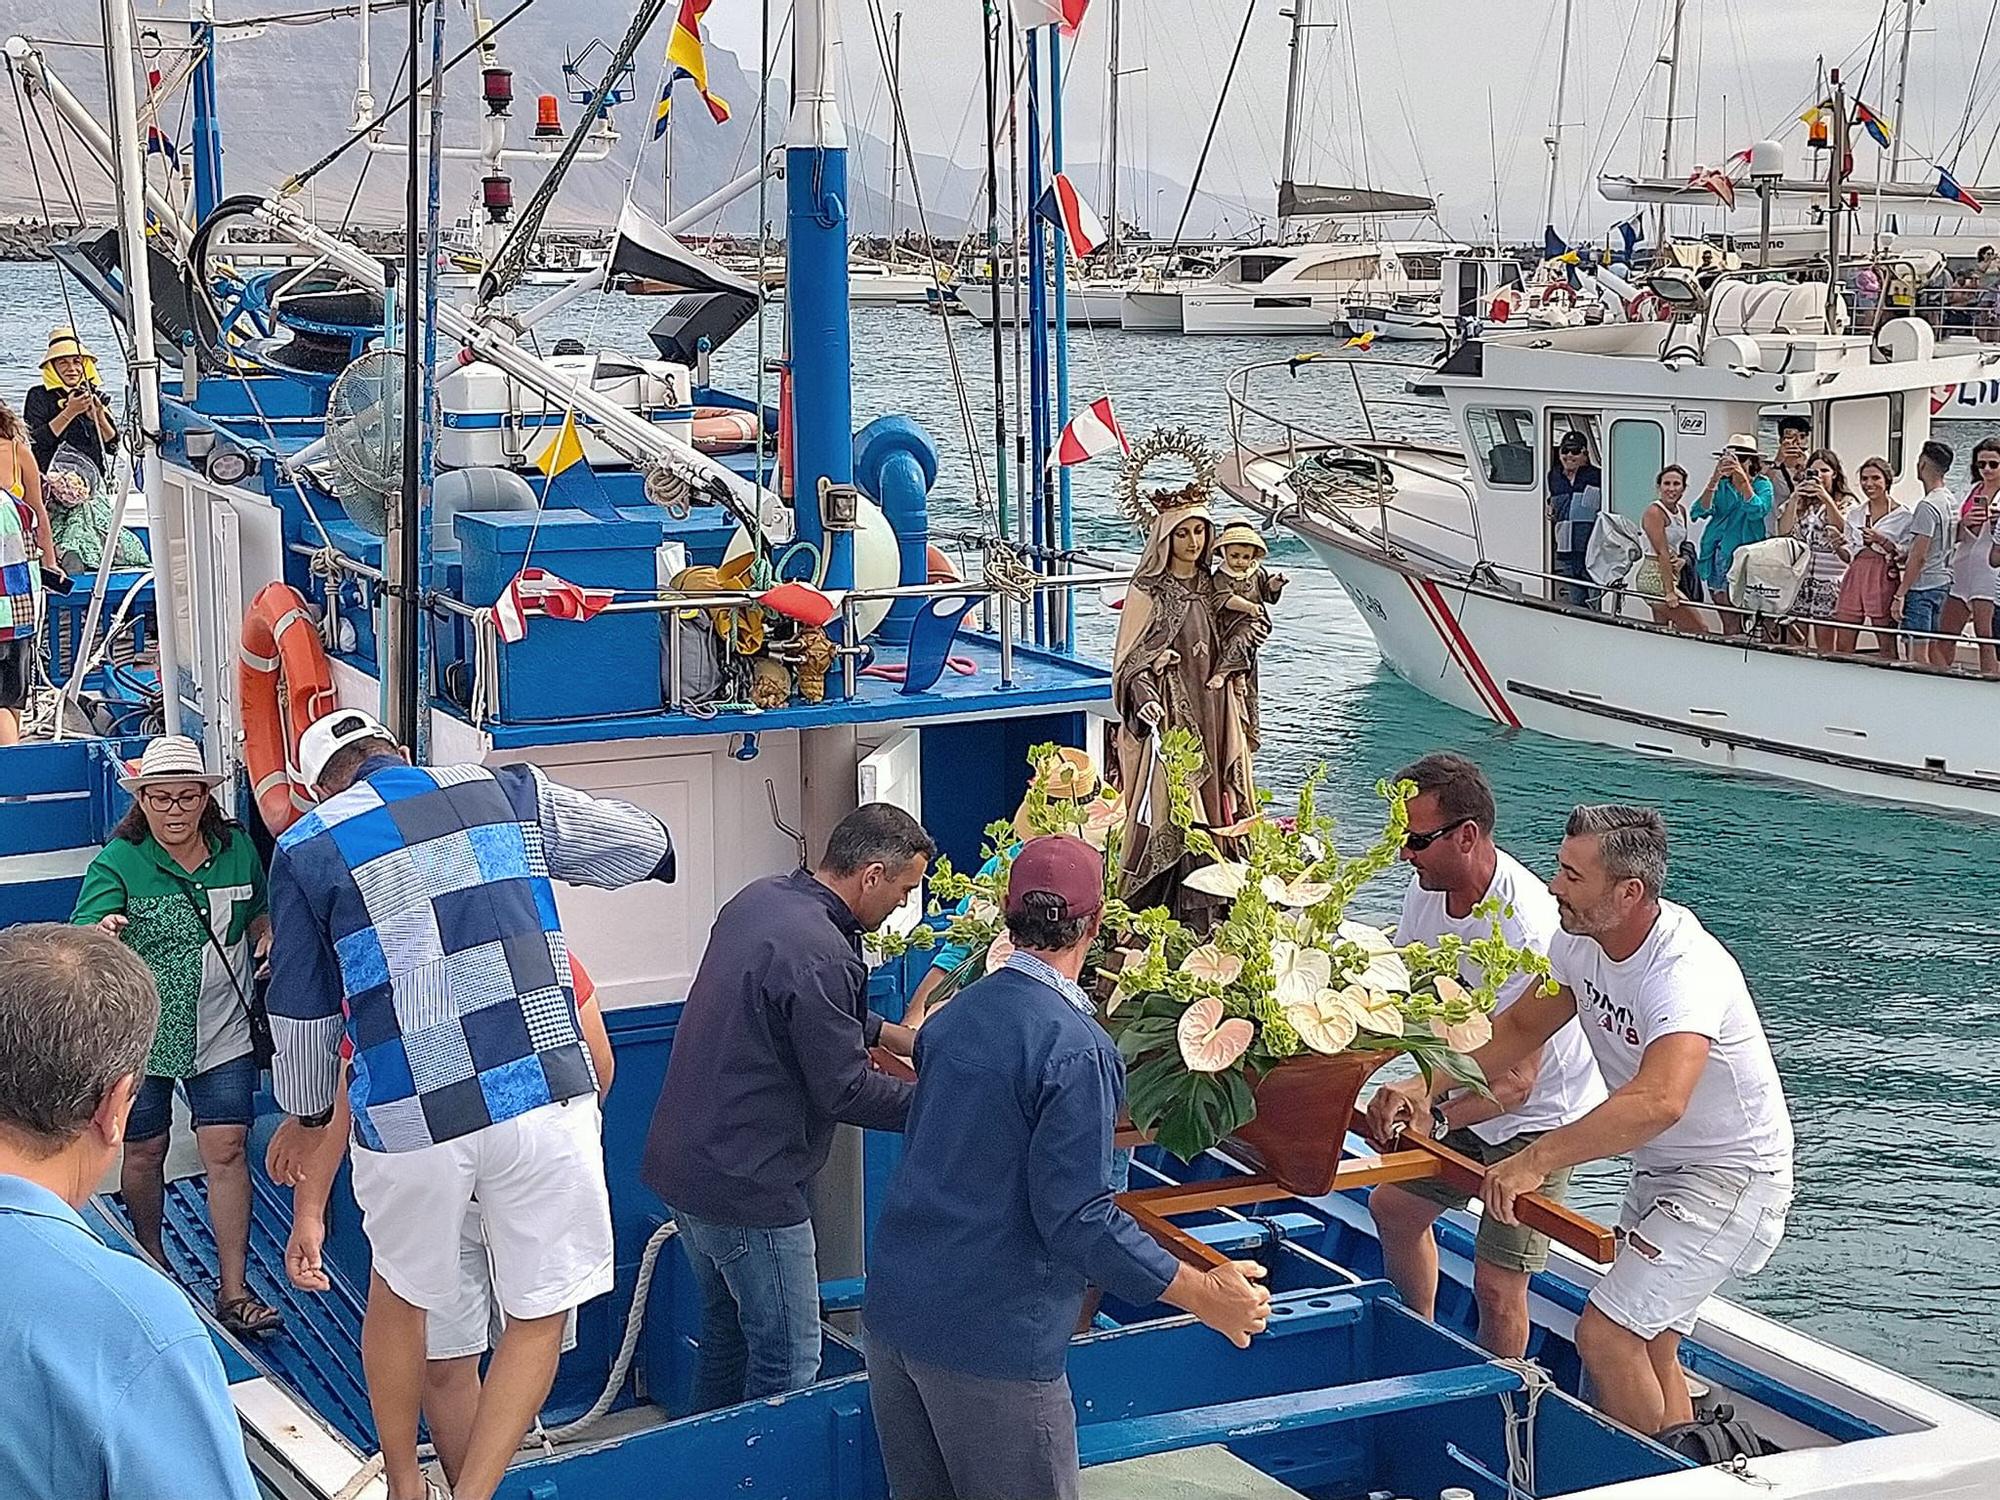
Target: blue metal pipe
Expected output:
[1063,528]
[1038,350]
[420,665]
[816,310]
[896,463]
[207,125]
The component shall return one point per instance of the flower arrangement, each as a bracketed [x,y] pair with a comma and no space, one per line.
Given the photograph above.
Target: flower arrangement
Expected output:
[1200,1018]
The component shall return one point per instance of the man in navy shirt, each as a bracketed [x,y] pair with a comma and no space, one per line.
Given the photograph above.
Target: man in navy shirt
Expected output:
[114,1389]
[1576,494]
[1001,1212]
[771,1053]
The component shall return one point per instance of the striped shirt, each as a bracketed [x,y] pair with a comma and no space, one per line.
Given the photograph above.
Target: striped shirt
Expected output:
[414,914]
[17,572]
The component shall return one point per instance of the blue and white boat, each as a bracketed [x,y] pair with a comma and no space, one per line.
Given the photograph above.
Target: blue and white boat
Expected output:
[932,703]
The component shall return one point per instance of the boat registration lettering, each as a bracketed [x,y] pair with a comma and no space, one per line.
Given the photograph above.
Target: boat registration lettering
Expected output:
[1367,603]
[1691,423]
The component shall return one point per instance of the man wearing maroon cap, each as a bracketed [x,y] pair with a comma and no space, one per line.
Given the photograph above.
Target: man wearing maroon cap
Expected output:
[1001,1212]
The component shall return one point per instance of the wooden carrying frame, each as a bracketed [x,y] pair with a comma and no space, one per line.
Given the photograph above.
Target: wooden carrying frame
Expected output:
[1419,1156]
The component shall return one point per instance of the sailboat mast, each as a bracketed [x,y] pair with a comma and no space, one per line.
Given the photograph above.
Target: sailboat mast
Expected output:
[1554,141]
[1902,85]
[145,366]
[1294,81]
[1111,126]
[895,159]
[1673,62]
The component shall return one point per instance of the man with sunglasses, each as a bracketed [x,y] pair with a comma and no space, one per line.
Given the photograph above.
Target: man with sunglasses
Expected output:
[1461,883]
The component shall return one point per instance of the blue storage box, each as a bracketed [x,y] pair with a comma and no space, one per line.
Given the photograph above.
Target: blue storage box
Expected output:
[568,669]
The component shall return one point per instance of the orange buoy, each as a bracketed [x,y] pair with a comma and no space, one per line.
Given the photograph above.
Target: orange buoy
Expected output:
[939,568]
[283,683]
[723,429]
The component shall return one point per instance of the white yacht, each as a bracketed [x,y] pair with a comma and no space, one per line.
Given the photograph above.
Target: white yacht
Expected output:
[1304,287]
[1446,549]
[1092,301]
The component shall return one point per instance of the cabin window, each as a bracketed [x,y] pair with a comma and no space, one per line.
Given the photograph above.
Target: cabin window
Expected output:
[1358,268]
[1423,267]
[1251,269]
[1638,453]
[1503,443]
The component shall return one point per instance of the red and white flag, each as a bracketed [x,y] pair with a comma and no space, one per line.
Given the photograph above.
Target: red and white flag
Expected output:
[1090,432]
[538,591]
[1068,14]
[1717,182]
[1063,206]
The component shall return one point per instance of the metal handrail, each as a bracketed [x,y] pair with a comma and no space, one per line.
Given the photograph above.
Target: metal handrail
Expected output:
[1241,408]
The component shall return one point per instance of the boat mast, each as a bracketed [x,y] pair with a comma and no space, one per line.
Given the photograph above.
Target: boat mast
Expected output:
[1902,85]
[1294,82]
[1111,197]
[1835,172]
[1554,141]
[895,158]
[145,366]
[1673,62]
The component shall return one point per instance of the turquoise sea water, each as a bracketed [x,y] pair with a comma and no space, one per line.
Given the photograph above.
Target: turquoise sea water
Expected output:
[1870,934]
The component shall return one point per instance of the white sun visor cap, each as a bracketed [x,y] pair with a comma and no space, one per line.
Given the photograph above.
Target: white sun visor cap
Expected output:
[328,734]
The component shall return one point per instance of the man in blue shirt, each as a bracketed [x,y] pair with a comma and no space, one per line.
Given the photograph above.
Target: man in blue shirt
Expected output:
[114,1390]
[1576,494]
[414,918]
[1001,1212]
[771,1053]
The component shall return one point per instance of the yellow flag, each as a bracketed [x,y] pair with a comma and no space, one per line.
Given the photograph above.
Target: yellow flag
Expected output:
[1812,115]
[564,450]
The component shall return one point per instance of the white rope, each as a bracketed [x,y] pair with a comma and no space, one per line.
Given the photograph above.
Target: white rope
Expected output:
[1536,1382]
[363,1477]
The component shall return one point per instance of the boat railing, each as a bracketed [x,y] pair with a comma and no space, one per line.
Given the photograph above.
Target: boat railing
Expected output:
[1251,421]
[1003,595]
[1551,586]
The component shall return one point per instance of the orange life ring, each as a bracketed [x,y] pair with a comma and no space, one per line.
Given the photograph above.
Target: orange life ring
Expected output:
[937,567]
[283,683]
[723,429]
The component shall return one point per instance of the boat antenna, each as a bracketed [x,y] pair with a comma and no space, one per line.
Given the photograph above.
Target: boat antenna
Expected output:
[996,25]
[504,271]
[1214,120]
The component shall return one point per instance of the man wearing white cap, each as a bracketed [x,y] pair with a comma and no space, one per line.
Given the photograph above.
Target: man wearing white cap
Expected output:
[414,914]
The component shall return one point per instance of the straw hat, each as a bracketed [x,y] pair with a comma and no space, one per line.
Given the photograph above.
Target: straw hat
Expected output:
[1067,776]
[1741,442]
[63,342]
[1242,534]
[171,757]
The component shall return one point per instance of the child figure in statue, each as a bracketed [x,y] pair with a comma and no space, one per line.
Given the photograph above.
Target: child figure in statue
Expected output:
[1245,591]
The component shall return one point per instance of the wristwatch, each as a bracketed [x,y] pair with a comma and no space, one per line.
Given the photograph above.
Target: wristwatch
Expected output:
[1440,1126]
[317,1122]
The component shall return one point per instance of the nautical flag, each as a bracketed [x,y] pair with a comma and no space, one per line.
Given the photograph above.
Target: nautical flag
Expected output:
[1628,233]
[563,451]
[663,111]
[1717,182]
[1364,342]
[1813,114]
[538,591]
[1871,122]
[157,144]
[1948,188]
[1068,14]
[684,52]
[1090,432]
[1064,207]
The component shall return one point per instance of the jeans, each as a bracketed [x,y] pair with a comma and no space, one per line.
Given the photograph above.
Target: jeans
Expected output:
[951,1436]
[1574,595]
[224,1095]
[1923,609]
[759,1310]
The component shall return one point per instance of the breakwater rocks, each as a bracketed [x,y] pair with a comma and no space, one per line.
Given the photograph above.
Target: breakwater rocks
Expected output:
[26,239]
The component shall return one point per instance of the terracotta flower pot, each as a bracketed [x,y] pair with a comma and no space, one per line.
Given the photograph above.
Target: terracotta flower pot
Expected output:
[1303,1109]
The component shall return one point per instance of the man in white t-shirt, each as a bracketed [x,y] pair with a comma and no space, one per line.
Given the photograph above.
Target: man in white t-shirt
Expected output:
[1695,1101]
[1459,877]
[1926,572]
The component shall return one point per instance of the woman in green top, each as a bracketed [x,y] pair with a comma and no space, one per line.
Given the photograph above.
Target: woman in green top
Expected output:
[185,890]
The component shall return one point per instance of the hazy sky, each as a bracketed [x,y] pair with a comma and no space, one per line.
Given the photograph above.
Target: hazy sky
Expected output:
[1398,94]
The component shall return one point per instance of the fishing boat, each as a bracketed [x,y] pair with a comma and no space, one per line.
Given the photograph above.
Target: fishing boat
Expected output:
[1448,554]
[1408,319]
[278,469]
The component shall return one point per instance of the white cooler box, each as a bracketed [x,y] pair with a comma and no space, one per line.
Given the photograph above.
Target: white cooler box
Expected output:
[491,419]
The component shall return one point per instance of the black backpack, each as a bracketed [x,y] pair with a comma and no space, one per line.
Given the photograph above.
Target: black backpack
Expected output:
[1715,1437]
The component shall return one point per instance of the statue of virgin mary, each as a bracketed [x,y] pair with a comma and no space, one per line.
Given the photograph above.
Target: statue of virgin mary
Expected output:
[1168,642]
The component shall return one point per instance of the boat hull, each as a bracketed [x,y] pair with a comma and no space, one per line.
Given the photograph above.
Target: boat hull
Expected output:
[1151,311]
[1095,307]
[1853,727]
[1247,310]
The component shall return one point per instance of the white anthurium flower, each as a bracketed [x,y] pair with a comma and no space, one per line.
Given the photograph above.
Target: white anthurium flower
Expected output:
[1367,939]
[1301,973]
[1208,1043]
[982,910]
[1385,969]
[1211,963]
[1469,1035]
[1376,1009]
[1312,848]
[1327,1023]
[1225,878]
[1097,826]
[1294,895]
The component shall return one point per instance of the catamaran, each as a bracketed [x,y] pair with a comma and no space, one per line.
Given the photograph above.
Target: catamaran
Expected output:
[305,506]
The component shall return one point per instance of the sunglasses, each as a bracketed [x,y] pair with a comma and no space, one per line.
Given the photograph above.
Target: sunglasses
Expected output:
[1416,843]
[1988,463]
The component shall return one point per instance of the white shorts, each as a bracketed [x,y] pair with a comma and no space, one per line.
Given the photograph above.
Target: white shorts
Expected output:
[539,1179]
[473,1323]
[1681,1234]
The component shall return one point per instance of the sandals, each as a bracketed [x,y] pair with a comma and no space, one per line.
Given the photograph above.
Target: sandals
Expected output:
[246,1317]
